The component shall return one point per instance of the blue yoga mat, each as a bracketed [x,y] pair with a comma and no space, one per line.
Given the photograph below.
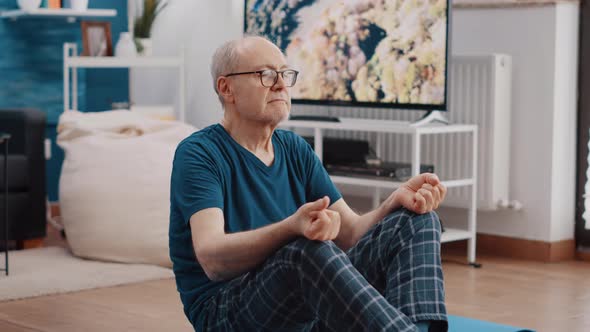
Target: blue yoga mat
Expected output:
[463,324]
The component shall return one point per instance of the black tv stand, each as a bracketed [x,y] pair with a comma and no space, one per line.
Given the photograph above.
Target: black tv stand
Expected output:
[324,118]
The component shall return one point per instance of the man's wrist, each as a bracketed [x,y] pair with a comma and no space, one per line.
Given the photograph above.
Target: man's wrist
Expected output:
[293,226]
[391,204]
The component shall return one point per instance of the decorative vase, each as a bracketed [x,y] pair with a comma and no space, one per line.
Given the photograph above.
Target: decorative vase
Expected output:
[29,4]
[146,48]
[125,46]
[79,5]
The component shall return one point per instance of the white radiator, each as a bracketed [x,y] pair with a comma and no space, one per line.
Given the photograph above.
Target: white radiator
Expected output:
[479,93]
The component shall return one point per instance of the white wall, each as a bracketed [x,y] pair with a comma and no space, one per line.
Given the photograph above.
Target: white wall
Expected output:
[565,123]
[543,43]
[200,26]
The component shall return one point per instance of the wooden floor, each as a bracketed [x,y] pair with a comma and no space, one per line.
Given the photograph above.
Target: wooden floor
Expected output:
[541,296]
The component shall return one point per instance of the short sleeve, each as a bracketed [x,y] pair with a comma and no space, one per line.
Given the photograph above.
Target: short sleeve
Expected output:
[196,181]
[318,183]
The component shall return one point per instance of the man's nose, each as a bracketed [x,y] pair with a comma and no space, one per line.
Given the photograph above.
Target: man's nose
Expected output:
[280,84]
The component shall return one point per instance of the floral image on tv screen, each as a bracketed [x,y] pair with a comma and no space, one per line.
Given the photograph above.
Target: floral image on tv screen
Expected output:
[389,52]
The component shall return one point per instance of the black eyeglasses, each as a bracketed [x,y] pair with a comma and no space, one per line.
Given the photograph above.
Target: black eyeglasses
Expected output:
[269,77]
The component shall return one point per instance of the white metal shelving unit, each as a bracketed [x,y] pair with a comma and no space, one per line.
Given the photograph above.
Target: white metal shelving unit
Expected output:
[72,62]
[70,14]
[401,127]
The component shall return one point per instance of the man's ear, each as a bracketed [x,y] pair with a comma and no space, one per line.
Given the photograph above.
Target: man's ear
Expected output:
[224,89]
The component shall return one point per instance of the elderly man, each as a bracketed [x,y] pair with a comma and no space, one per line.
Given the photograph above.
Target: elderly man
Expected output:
[260,238]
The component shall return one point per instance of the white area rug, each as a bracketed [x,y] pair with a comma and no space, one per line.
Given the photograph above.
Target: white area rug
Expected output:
[54,270]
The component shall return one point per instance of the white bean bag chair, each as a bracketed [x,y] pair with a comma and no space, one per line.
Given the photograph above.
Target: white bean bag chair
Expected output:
[114,189]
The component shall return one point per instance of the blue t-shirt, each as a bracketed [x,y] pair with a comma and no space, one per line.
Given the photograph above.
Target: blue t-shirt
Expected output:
[211,170]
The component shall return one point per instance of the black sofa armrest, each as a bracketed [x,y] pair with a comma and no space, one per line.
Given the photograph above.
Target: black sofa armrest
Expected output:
[27,130]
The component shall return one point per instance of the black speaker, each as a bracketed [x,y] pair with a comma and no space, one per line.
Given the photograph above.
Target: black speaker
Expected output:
[342,150]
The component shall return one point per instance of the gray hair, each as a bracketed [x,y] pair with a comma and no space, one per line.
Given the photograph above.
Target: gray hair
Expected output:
[226,59]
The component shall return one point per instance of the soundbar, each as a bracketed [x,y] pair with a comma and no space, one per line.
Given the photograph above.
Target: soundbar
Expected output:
[323,118]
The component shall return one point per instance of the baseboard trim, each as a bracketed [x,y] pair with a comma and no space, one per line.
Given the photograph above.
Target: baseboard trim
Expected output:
[503,246]
[564,250]
[583,255]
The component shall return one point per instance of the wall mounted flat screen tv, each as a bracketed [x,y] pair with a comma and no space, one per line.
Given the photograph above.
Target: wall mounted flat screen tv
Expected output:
[379,53]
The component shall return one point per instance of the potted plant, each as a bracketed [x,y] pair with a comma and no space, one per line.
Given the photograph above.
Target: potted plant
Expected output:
[143,25]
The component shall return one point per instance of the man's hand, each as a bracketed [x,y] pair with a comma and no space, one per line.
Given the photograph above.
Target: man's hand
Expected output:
[314,221]
[420,194]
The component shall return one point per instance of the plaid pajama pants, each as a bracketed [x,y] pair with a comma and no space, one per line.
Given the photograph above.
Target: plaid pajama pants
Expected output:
[389,280]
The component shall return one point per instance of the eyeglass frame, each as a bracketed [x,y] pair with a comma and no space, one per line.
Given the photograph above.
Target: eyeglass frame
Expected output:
[259,72]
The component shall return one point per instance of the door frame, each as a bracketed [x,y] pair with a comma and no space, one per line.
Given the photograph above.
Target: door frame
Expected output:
[582,235]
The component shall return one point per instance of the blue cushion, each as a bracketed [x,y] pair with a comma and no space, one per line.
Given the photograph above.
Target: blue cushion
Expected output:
[463,324]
